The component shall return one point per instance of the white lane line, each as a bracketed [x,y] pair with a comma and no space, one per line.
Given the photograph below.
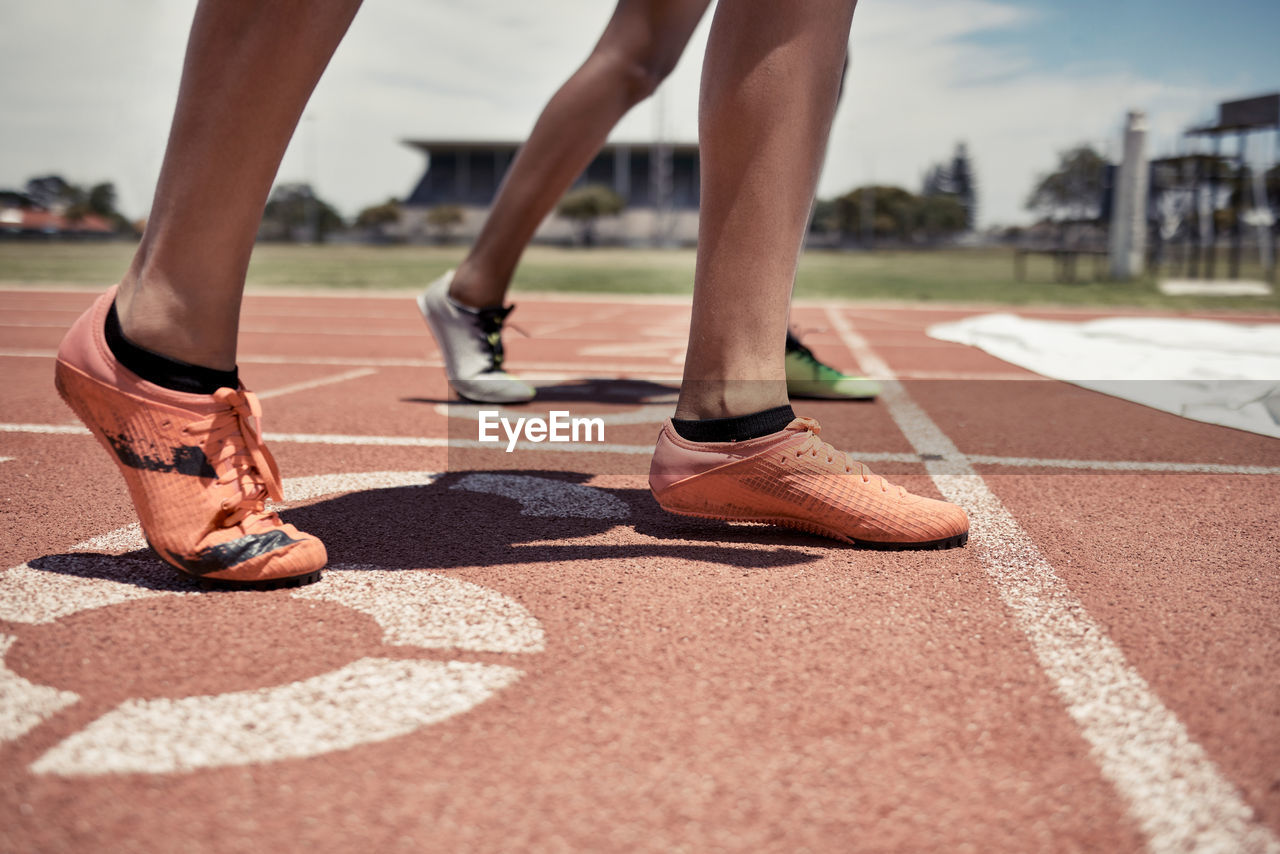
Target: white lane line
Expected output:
[548,370]
[68,429]
[24,705]
[1123,465]
[660,372]
[353,374]
[1176,793]
[608,448]
[6,459]
[339,439]
[253,329]
[27,353]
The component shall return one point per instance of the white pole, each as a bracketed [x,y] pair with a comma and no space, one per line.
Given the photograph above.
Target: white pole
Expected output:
[1128,243]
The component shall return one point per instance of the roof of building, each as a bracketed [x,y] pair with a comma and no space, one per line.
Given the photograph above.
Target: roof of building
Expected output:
[510,146]
[39,220]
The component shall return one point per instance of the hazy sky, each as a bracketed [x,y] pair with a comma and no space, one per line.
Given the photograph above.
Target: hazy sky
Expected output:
[87,89]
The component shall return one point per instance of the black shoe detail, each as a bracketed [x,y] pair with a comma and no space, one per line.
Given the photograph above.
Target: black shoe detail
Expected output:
[186,459]
[231,554]
[162,370]
[258,583]
[735,429]
[490,321]
[794,346]
[933,545]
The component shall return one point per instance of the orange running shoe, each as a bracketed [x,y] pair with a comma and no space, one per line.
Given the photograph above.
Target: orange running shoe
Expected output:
[195,464]
[793,478]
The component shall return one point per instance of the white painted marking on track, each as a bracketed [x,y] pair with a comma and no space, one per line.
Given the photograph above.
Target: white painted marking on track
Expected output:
[366,701]
[431,611]
[6,459]
[339,439]
[25,353]
[126,539]
[305,488]
[25,705]
[33,324]
[608,448]
[68,584]
[307,385]
[1124,465]
[529,370]
[369,700]
[1176,793]
[541,496]
[55,429]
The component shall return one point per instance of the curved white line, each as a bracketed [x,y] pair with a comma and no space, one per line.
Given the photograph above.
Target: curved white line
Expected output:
[543,496]
[369,700]
[424,609]
[24,705]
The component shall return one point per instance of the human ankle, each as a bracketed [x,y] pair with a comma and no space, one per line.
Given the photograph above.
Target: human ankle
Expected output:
[156,321]
[702,400]
[471,288]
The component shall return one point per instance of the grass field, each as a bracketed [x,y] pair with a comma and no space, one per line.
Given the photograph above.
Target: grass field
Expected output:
[950,275]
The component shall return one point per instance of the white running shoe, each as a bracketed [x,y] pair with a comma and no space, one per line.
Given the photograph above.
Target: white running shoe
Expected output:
[471,341]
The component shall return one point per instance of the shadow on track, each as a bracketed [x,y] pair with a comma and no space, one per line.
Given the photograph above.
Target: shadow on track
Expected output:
[586,391]
[450,524]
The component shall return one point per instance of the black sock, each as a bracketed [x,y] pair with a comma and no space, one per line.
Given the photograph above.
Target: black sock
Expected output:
[736,429]
[161,370]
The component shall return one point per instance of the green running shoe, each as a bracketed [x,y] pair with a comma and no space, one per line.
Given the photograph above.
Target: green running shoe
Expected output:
[807,377]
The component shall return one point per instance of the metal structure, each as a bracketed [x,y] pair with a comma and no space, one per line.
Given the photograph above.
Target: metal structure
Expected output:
[1212,173]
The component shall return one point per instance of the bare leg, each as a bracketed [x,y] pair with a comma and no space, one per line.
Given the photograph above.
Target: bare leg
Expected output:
[639,48]
[769,86]
[249,70]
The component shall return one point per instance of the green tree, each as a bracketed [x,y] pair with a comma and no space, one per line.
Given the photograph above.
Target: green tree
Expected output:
[587,204]
[882,212]
[101,199]
[941,216]
[376,216]
[444,219]
[955,180]
[1074,189]
[54,193]
[295,208]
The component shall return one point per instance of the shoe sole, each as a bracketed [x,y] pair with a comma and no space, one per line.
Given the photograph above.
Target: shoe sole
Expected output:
[256,584]
[952,542]
[207,583]
[244,584]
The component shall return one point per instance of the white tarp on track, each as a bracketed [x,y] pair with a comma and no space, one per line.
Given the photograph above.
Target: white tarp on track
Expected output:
[1221,373]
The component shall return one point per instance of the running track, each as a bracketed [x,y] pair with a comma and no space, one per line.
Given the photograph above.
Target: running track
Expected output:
[521,653]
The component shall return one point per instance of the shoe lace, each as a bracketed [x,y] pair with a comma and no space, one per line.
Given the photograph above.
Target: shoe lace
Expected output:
[241,460]
[490,322]
[806,355]
[815,447]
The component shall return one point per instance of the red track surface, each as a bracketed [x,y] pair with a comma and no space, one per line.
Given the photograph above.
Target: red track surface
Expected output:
[666,684]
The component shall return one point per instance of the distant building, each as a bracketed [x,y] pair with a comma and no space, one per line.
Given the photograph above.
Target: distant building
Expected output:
[659,184]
